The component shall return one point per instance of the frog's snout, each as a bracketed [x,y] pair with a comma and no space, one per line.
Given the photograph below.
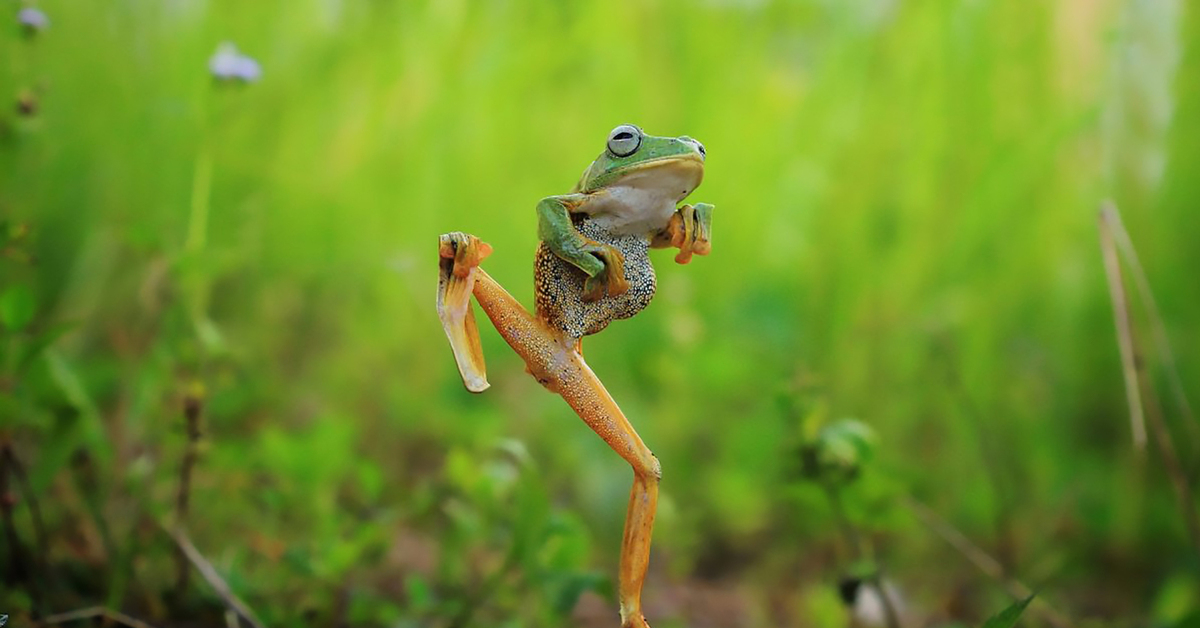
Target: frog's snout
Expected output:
[697,144]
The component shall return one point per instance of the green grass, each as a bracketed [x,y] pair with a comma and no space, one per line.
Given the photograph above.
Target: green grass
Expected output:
[904,233]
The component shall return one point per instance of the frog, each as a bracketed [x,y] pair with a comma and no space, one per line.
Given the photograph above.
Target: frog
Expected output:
[591,267]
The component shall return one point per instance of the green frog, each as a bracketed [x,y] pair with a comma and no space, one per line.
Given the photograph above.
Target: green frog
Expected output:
[592,267]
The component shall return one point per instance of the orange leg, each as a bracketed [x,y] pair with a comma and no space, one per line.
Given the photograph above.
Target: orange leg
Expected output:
[557,364]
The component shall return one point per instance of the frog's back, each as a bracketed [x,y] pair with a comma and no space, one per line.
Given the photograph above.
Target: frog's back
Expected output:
[558,285]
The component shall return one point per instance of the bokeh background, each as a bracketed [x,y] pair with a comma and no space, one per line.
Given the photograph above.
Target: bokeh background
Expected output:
[905,312]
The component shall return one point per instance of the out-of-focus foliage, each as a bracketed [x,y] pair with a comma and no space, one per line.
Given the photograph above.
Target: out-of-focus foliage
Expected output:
[904,233]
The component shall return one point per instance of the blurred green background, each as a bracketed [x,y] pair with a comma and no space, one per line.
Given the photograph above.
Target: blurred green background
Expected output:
[905,235]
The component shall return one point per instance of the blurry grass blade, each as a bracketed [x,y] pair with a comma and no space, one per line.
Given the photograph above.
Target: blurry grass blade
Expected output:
[458,321]
[1120,304]
[1008,617]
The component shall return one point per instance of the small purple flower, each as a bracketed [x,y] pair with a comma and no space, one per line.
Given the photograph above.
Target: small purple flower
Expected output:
[32,19]
[247,69]
[228,64]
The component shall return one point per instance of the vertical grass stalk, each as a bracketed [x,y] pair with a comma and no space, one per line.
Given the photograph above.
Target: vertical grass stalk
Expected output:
[1138,385]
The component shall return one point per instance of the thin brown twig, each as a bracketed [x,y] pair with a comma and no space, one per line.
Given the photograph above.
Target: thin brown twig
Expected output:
[213,578]
[983,561]
[95,611]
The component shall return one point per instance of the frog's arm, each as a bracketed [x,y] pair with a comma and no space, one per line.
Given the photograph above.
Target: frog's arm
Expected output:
[689,230]
[604,265]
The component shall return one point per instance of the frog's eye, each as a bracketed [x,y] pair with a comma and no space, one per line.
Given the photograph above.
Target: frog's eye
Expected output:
[624,140]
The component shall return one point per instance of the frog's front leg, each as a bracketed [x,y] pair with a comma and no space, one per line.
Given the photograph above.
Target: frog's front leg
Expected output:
[604,265]
[689,230]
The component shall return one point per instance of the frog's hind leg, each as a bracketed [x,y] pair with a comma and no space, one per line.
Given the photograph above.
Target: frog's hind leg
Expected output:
[553,358]
[555,361]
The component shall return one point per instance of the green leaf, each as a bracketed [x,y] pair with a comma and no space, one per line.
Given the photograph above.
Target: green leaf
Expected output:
[1008,617]
[17,307]
[849,439]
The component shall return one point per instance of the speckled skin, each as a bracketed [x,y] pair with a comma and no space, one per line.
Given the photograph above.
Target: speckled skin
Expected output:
[558,285]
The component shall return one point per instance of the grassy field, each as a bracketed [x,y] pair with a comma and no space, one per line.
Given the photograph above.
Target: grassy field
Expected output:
[905,311]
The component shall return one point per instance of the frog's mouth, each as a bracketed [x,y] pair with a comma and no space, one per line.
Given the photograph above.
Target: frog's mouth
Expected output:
[676,175]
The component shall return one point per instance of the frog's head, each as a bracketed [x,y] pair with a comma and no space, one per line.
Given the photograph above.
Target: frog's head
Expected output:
[674,165]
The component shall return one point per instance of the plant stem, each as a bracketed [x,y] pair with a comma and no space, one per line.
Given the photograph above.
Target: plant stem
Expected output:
[192,406]
[213,578]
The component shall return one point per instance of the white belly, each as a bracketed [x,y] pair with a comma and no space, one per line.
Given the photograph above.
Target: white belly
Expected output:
[631,210]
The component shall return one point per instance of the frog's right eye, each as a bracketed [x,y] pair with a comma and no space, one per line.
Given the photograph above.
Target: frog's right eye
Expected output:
[624,140]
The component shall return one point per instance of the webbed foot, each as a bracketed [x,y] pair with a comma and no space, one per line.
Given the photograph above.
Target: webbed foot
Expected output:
[464,250]
[459,256]
[691,229]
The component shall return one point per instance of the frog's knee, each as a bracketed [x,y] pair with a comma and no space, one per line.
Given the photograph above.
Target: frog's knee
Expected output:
[653,469]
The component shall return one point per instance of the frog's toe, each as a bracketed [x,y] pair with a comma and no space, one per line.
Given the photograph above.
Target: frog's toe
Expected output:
[607,284]
[611,280]
[466,251]
[703,234]
[594,288]
[614,271]
[617,285]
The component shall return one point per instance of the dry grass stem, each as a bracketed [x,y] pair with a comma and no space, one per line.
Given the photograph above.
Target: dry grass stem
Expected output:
[213,578]
[95,611]
[1129,364]
[1110,215]
[1137,381]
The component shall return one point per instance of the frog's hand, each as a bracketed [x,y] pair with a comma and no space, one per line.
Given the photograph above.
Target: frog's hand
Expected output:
[459,256]
[604,264]
[689,230]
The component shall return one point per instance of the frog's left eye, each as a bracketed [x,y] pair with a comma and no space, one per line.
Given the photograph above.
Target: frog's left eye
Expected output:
[624,140]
